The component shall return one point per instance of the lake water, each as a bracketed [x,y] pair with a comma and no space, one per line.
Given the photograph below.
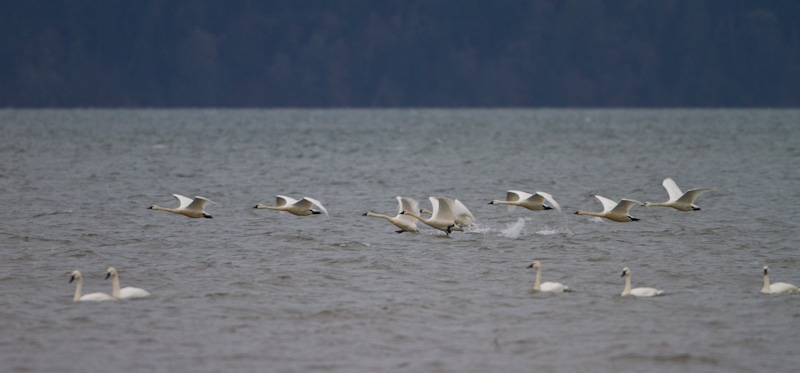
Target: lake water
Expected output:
[256,290]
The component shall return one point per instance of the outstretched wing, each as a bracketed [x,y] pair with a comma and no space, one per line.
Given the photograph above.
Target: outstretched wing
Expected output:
[198,204]
[445,210]
[691,194]
[672,189]
[608,204]
[435,206]
[316,203]
[407,204]
[624,206]
[516,195]
[284,200]
[462,213]
[549,199]
[183,201]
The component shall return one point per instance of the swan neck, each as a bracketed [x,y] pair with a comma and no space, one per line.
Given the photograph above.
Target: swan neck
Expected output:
[627,289]
[537,285]
[765,289]
[154,207]
[665,204]
[115,286]
[370,213]
[78,289]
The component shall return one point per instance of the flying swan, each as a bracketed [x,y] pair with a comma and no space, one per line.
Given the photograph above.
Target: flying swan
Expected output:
[677,199]
[126,292]
[638,292]
[614,211]
[529,201]
[548,286]
[192,208]
[76,276]
[302,207]
[405,222]
[448,215]
[776,288]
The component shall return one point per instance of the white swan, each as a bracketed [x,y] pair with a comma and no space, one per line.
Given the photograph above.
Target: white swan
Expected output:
[529,201]
[639,292]
[614,211]
[126,292]
[448,215]
[548,286]
[76,275]
[192,208]
[677,199]
[406,223]
[776,288]
[302,207]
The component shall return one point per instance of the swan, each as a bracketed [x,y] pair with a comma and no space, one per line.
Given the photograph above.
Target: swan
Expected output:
[776,288]
[529,201]
[192,208]
[677,199]
[448,215]
[76,275]
[126,292]
[302,207]
[614,211]
[639,292]
[548,286]
[406,223]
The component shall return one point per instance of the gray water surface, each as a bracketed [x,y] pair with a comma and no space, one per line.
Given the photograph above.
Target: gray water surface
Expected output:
[256,290]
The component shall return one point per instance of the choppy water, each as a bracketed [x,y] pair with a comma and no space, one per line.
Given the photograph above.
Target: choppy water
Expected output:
[255,290]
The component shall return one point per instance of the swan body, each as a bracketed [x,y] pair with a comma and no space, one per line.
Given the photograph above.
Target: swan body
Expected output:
[529,201]
[553,287]
[614,211]
[126,292]
[677,199]
[778,287]
[638,292]
[302,207]
[405,222]
[76,276]
[448,215]
[192,208]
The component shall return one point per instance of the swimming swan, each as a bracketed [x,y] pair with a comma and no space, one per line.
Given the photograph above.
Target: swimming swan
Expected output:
[677,199]
[529,201]
[614,211]
[448,215]
[126,292]
[76,275]
[548,286]
[776,288]
[302,207]
[639,292]
[192,208]
[406,223]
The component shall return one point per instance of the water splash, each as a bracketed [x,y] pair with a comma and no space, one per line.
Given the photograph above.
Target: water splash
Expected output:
[514,229]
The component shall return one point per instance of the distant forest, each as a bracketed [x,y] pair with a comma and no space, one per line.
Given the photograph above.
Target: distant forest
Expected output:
[395,53]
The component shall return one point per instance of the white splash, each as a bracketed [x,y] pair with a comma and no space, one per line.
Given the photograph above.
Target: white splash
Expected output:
[514,229]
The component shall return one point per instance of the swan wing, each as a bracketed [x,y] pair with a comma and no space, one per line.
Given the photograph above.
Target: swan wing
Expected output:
[316,203]
[407,204]
[608,204]
[284,200]
[434,206]
[646,292]
[554,287]
[624,206]
[198,203]
[672,189]
[549,199]
[445,210]
[691,194]
[183,201]
[132,292]
[462,213]
[516,195]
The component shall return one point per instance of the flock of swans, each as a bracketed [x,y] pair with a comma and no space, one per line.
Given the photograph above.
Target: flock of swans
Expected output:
[449,215]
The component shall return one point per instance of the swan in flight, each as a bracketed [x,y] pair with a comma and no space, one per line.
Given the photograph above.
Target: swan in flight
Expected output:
[776,288]
[548,286]
[192,208]
[126,292]
[639,292]
[405,222]
[677,199]
[614,211]
[76,276]
[448,215]
[302,207]
[529,201]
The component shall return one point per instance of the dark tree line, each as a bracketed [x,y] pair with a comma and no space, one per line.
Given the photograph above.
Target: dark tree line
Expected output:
[362,53]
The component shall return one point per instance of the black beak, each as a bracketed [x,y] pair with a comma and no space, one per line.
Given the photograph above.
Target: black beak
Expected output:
[623,274]
[315,212]
[401,212]
[491,203]
[547,207]
[71,278]
[576,212]
[150,208]
[634,219]
[530,265]
[108,274]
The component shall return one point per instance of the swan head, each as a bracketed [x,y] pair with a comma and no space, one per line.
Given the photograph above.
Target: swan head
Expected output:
[76,275]
[547,207]
[695,208]
[255,207]
[766,271]
[111,272]
[366,213]
[425,211]
[150,208]
[535,264]
[207,216]
[315,212]
[632,218]
[401,212]
[578,212]
[625,272]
